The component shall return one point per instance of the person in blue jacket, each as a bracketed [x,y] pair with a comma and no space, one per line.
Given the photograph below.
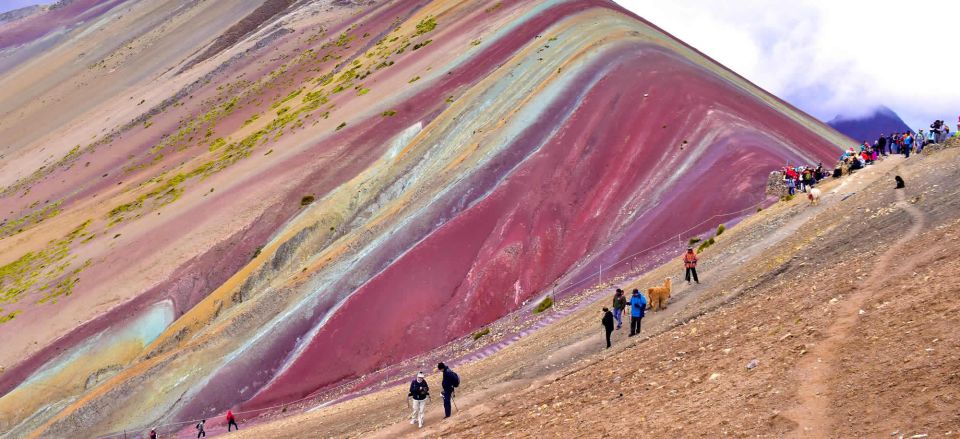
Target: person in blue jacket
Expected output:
[638,304]
[449,383]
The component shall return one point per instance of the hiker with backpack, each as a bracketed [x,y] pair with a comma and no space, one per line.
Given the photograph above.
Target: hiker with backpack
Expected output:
[619,304]
[638,305]
[419,392]
[449,383]
[607,322]
[200,430]
[231,421]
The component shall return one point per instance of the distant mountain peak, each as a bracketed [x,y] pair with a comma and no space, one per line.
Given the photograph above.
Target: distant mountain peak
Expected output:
[867,127]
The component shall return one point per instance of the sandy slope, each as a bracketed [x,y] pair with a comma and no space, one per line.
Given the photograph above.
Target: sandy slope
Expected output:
[785,287]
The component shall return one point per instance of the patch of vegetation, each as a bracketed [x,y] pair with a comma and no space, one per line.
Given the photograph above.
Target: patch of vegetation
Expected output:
[694,240]
[256,252]
[415,79]
[720,229]
[706,244]
[307,200]
[475,42]
[388,113]
[43,270]
[422,44]
[8,317]
[759,209]
[480,333]
[426,25]
[9,228]
[341,126]
[494,7]
[544,305]
[786,198]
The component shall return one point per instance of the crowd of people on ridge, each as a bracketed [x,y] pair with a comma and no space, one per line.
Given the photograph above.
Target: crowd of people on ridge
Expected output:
[802,178]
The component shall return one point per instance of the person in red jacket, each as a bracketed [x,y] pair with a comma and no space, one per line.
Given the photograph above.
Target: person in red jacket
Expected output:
[231,421]
[690,263]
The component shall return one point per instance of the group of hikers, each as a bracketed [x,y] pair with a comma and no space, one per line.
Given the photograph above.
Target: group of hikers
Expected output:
[802,177]
[638,302]
[202,426]
[420,393]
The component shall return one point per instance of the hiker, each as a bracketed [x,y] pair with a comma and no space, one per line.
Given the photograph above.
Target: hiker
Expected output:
[200,430]
[900,184]
[619,303]
[907,145]
[882,144]
[419,392]
[690,263]
[231,421]
[791,186]
[638,304]
[607,322]
[450,382]
[153,433]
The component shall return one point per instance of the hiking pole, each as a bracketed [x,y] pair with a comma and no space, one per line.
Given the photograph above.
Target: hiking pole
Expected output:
[454,402]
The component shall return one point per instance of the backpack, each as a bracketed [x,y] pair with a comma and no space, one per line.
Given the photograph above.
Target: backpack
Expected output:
[455,378]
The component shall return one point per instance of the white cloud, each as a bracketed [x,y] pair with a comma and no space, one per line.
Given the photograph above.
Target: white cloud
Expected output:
[830,57]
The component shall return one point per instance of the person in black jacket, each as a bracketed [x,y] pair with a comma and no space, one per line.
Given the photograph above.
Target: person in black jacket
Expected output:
[419,392]
[450,382]
[882,144]
[607,322]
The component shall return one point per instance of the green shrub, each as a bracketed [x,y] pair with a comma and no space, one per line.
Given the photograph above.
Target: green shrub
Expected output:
[694,240]
[720,229]
[480,333]
[306,200]
[544,305]
[786,198]
[706,244]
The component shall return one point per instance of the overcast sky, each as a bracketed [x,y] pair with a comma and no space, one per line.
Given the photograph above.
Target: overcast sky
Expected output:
[830,57]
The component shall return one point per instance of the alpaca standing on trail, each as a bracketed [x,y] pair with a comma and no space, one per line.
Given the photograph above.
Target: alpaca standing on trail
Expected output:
[659,295]
[814,196]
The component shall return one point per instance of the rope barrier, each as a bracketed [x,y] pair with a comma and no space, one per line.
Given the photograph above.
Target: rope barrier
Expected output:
[568,287]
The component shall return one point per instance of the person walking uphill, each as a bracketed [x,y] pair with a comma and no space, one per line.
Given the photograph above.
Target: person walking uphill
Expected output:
[419,392]
[450,382]
[200,430]
[231,421]
[607,322]
[619,304]
[638,305]
[690,263]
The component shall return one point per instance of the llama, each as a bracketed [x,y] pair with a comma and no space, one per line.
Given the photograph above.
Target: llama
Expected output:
[814,196]
[659,295]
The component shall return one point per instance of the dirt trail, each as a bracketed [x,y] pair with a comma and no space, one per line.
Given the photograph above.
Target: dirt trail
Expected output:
[813,414]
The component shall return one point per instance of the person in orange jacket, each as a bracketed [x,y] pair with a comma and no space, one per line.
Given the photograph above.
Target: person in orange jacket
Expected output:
[231,421]
[690,263]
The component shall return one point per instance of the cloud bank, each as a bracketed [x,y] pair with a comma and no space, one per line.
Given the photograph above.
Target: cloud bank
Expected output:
[830,57]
